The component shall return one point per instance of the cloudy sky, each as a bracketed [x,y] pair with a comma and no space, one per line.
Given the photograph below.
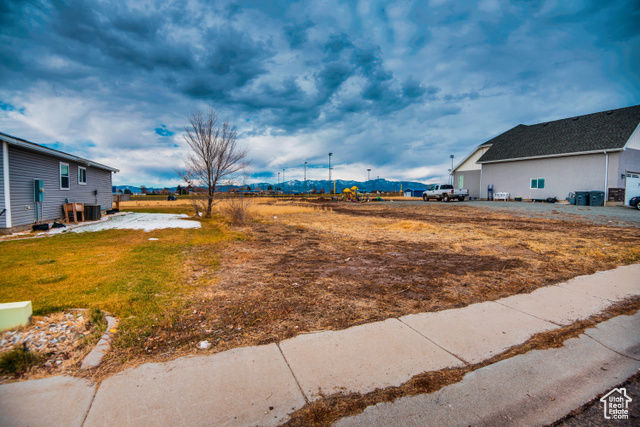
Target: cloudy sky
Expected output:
[392,86]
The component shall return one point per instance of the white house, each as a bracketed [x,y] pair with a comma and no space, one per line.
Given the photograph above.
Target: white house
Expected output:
[594,152]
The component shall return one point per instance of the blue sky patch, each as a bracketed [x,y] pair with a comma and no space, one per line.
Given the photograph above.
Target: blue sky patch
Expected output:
[163,131]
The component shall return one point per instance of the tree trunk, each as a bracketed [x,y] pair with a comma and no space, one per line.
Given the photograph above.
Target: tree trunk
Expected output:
[209,203]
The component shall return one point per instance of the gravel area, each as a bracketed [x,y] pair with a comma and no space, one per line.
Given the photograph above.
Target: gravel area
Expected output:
[623,216]
[59,338]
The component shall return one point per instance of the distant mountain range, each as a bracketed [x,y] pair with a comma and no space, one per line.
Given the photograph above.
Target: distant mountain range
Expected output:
[299,186]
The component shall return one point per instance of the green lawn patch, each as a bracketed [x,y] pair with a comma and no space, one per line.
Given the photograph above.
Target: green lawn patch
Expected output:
[143,282]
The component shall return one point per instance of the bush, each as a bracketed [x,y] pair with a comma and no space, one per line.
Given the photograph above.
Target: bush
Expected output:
[199,203]
[19,360]
[237,210]
[96,317]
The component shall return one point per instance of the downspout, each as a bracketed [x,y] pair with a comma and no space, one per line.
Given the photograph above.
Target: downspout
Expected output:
[480,195]
[606,177]
[5,179]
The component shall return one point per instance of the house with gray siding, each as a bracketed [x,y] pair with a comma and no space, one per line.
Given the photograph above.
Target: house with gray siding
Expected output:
[65,178]
[594,152]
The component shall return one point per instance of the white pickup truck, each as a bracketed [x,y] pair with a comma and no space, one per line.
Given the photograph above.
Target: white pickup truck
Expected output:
[444,192]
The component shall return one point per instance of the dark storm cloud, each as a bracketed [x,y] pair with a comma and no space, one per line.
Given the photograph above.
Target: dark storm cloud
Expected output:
[433,78]
[226,64]
[231,61]
[296,34]
[336,44]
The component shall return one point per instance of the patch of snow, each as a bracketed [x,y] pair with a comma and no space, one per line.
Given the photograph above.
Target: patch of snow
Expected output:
[140,221]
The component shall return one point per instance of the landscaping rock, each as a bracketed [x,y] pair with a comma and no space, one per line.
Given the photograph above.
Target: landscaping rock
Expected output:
[59,337]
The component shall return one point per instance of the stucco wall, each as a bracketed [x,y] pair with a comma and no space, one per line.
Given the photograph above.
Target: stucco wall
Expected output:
[471,181]
[629,162]
[3,217]
[562,175]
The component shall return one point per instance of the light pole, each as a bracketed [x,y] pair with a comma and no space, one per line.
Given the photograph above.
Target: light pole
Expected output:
[368,179]
[330,154]
[305,177]
[278,183]
[451,170]
[283,179]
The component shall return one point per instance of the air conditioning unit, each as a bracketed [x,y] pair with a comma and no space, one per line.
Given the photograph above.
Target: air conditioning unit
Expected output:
[92,212]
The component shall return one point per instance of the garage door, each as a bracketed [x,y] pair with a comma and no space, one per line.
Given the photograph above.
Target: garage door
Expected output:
[633,187]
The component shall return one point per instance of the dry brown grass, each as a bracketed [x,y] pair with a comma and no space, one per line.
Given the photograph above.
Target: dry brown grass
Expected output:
[328,266]
[263,207]
[311,270]
[237,210]
[154,203]
[269,209]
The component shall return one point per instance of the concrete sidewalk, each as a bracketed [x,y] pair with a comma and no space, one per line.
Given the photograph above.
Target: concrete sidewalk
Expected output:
[263,385]
[533,389]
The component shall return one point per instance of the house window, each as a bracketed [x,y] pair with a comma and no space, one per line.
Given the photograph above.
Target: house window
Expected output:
[537,183]
[64,176]
[82,175]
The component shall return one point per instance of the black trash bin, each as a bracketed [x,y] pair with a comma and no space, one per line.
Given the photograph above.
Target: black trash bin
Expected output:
[582,198]
[596,198]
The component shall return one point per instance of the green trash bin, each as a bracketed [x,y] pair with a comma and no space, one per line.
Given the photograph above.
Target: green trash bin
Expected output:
[596,198]
[582,198]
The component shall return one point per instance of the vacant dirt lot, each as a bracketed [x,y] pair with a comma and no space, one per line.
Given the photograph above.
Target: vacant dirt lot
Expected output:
[323,265]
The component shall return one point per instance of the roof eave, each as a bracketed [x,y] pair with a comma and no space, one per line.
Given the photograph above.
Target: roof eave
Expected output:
[50,151]
[579,153]
[485,145]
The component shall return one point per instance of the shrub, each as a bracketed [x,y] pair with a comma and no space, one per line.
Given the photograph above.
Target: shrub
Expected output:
[237,210]
[97,318]
[19,360]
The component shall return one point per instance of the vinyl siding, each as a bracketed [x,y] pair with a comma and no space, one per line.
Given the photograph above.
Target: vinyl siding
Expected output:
[634,141]
[25,166]
[470,164]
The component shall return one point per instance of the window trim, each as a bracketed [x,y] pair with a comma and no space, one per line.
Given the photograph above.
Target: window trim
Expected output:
[68,176]
[80,168]
[537,183]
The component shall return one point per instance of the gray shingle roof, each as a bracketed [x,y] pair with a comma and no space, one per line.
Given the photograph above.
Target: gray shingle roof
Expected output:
[607,130]
[23,143]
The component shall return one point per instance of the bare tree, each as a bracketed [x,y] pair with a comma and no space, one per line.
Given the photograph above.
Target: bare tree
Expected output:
[214,153]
